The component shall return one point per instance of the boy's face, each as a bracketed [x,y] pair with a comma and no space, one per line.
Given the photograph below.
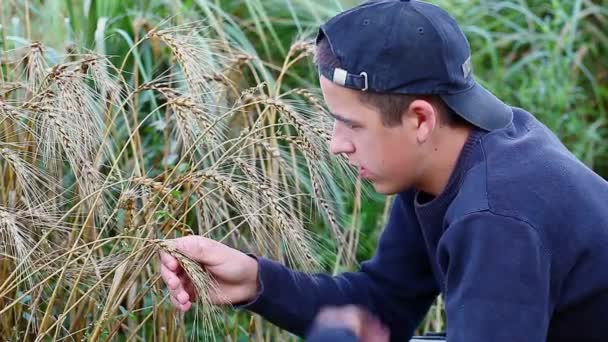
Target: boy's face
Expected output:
[390,158]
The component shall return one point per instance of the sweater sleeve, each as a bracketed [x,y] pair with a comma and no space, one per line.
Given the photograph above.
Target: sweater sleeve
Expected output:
[397,284]
[497,280]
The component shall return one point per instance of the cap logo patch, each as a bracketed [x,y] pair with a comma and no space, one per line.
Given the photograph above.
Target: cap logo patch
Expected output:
[467,67]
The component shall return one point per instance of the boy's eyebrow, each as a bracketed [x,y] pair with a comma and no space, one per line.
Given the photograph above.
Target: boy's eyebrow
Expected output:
[343,119]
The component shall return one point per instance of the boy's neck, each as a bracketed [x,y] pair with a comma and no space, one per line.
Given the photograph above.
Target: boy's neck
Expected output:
[442,160]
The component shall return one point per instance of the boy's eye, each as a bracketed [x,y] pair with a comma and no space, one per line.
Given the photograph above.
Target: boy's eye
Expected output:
[349,124]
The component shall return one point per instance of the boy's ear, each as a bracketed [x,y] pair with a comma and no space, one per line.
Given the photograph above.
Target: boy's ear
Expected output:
[421,118]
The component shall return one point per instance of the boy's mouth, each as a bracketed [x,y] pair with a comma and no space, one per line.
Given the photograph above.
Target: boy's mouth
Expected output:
[364,173]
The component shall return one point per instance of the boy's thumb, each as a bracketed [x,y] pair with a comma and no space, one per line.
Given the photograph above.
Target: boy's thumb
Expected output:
[197,248]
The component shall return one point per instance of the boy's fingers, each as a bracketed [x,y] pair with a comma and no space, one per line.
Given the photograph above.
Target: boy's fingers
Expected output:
[180,306]
[375,331]
[200,249]
[191,246]
[187,284]
[183,297]
[349,316]
[169,277]
[169,261]
[186,307]
[175,302]
[180,287]
[191,291]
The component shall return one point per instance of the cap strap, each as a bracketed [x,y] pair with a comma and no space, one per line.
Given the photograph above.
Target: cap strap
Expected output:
[345,79]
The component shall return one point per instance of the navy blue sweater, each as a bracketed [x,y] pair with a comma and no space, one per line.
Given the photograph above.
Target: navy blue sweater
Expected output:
[517,243]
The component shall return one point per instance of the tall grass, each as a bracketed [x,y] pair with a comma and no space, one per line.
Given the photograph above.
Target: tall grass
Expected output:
[126,122]
[549,58]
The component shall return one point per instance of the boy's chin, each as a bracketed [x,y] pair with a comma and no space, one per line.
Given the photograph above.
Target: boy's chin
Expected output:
[384,188]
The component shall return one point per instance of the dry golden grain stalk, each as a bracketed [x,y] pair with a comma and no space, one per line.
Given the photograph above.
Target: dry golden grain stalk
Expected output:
[195,124]
[165,193]
[309,136]
[189,109]
[290,229]
[304,47]
[323,203]
[195,55]
[17,241]
[127,203]
[204,285]
[239,195]
[38,190]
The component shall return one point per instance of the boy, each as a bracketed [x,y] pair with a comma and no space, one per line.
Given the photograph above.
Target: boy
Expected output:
[491,210]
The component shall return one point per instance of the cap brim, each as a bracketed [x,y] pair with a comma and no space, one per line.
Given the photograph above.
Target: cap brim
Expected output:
[480,107]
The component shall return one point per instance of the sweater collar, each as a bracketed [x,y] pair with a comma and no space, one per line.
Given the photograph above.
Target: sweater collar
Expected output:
[465,161]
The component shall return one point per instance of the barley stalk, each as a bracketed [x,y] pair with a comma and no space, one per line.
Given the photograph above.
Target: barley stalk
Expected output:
[164,192]
[127,203]
[204,285]
[289,230]
[38,190]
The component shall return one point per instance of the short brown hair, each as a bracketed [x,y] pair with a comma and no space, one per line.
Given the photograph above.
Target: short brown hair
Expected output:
[391,106]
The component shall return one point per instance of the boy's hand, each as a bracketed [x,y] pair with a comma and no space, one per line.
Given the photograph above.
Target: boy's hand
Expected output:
[235,272]
[366,327]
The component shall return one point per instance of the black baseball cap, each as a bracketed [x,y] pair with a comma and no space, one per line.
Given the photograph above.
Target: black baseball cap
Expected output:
[410,47]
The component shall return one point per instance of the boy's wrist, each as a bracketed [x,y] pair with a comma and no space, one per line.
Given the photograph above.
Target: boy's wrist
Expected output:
[252,283]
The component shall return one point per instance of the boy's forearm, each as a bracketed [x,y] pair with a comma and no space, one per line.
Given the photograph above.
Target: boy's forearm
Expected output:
[292,299]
